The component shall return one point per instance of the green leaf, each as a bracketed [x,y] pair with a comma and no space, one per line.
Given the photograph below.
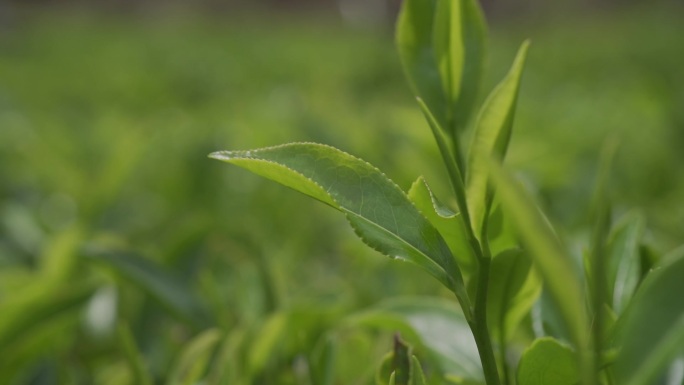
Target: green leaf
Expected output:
[154,280]
[447,223]
[547,362]
[378,210]
[459,44]
[414,38]
[436,326]
[513,289]
[652,328]
[624,266]
[550,261]
[135,361]
[492,134]
[417,375]
[190,367]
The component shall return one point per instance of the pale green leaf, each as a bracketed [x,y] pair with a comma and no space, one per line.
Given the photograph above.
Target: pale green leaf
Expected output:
[547,362]
[447,223]
[190,367]
[492,134]
[459,44]
[378,210]
[549,259]
[652,328]
[514,287]
[414,38]
[417,375]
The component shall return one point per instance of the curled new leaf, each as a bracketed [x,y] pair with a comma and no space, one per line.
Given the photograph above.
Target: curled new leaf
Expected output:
[492,134]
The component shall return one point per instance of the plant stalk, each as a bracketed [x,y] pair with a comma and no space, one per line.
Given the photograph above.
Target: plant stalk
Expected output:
[478,320]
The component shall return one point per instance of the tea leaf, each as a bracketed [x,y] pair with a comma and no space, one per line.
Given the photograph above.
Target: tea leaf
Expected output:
[652,328]
[417,375]
[492,134]
[414,38]
[513,289]
[459,45]
[547,362]
[378,210]
[447,223]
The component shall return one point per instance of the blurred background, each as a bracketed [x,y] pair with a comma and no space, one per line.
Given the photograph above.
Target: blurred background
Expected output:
[112,214]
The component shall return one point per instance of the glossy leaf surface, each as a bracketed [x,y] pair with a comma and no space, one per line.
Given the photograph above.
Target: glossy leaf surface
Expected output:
[378,210]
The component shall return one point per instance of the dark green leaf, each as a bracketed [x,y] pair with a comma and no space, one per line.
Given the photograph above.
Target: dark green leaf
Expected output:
[378,210]
[547,362]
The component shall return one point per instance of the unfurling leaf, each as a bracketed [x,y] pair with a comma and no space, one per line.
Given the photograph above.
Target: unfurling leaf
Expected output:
[492,134]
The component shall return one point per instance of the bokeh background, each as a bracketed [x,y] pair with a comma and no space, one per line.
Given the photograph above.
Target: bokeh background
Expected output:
[111,213]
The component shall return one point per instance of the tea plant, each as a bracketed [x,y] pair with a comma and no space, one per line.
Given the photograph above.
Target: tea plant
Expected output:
[619,322]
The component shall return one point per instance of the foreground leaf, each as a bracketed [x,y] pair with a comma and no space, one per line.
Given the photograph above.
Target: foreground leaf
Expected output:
[378,210]
[492,134]
[437,326]
[547,362]
[550,261]
[652,328]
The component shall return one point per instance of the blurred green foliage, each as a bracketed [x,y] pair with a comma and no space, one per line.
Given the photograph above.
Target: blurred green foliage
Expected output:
[123,249]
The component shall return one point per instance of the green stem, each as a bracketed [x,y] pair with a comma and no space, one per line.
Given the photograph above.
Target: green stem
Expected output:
[477,317]
[480,330]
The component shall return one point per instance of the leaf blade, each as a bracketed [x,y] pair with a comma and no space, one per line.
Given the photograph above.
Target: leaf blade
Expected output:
[492,135]
[378,210]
